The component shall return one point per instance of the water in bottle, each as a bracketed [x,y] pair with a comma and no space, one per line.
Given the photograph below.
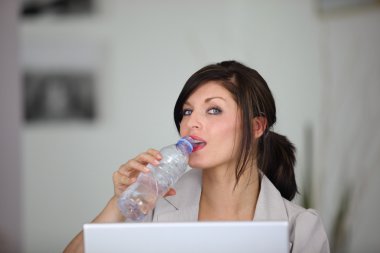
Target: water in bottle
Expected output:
[140,197]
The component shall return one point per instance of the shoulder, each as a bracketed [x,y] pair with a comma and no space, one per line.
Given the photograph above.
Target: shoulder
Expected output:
[306,230]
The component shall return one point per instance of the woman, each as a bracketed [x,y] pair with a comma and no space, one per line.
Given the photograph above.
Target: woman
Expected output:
[244,171]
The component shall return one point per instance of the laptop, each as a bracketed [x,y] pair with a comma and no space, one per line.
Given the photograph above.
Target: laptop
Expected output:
[187,237]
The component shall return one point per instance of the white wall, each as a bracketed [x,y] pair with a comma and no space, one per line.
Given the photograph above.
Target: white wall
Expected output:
[350,143]
[145,51]
[10,131]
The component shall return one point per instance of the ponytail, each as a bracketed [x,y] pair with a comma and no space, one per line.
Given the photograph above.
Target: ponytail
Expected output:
[276,159]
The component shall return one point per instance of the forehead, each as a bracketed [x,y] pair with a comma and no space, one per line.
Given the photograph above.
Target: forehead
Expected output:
[208,90]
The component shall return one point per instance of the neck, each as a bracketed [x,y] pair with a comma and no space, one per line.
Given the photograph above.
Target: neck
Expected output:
[222,200]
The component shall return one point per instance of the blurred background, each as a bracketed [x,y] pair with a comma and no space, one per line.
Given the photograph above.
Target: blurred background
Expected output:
[86,85]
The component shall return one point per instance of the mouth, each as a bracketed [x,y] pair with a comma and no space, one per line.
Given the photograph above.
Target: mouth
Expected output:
[197,142]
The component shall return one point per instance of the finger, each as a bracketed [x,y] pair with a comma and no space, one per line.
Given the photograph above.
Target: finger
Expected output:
[121,180]
[171,192]
[124,180]
[155,153]
[132,167]
[120,189]
[135,167]
[147,157]
[124,169]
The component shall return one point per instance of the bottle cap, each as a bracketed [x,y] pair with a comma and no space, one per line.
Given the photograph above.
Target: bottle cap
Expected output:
[185,142]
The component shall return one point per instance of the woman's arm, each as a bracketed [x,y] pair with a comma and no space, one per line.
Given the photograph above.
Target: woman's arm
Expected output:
[109,214]
[122,178]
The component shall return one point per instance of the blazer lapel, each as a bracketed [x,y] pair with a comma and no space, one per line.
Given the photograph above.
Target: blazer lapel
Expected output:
[270,204]
[184,206]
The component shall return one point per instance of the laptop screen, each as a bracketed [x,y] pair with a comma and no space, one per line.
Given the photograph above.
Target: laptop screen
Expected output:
[239,237]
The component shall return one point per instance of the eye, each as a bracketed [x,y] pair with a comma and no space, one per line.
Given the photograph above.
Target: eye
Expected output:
[214,111]
[186,112]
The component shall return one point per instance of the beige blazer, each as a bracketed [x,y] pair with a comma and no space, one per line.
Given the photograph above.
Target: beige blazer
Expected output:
[306,231]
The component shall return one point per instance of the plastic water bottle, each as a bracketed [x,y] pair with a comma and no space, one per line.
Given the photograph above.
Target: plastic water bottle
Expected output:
[140,197]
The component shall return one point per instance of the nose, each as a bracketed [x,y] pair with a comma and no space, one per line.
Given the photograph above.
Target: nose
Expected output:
[193,121]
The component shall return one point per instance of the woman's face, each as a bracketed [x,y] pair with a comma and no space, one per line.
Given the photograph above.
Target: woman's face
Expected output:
[211,116]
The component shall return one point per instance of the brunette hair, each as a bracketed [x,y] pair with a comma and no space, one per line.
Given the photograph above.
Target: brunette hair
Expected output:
[275,153]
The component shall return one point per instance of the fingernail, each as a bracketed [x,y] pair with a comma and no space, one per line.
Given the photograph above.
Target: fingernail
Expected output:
[158,157]
[155,162]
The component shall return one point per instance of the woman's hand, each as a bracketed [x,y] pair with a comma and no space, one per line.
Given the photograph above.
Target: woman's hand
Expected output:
[122,178]
[128,172]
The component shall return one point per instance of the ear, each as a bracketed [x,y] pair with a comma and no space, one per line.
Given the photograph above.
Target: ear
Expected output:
[259,126]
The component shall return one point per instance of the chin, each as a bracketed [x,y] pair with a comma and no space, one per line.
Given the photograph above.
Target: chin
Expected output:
[196,164]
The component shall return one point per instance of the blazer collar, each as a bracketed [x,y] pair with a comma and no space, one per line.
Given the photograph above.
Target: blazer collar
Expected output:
[270,204]
[184,206]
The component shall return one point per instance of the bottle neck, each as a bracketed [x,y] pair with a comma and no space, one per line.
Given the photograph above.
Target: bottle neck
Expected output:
[184,148]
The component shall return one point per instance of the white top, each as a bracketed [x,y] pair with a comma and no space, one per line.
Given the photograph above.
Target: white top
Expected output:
[306,231]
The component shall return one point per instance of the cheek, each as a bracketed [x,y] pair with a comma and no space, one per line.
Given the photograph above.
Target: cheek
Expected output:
[182,131]
[226,129]
[224,140]
[230,134]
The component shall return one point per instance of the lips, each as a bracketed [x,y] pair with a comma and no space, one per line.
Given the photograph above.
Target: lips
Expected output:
[198,143]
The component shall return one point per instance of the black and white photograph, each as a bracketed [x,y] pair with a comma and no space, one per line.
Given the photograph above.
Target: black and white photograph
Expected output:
[37,8]
[58,96]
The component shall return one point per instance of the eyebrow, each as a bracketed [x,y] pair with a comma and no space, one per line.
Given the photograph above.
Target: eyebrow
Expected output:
[207,100]
[211,98]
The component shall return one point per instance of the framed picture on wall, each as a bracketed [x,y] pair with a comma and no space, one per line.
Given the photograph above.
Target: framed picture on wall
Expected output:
[60,80]
[58,96]
[37,8]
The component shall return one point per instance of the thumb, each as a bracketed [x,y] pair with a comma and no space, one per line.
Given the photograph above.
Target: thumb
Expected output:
[171,192]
